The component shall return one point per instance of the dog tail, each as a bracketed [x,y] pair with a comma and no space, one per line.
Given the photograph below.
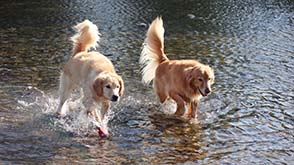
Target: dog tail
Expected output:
[86,37]
[153,50]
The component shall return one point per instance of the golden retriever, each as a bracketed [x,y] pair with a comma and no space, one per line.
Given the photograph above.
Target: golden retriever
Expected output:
[91,72]
[184,81]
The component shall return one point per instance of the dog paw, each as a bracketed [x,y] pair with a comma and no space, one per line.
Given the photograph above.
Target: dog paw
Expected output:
[190,116]
[59,115]
[179,114]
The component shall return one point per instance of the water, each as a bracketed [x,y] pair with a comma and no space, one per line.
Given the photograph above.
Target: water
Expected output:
[247,120]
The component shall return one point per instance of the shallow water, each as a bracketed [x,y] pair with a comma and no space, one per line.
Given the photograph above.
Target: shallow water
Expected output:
[248,118]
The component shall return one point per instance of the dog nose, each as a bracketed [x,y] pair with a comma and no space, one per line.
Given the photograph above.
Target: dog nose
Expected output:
[207,90]
[114,98]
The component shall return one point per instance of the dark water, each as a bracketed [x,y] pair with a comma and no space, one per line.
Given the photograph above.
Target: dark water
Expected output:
[247,120]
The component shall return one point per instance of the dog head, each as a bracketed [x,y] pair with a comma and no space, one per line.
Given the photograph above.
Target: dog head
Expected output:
[109,86]
[200,79]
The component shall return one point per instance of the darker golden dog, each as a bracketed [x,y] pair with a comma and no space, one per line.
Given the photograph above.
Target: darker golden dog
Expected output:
[184,81]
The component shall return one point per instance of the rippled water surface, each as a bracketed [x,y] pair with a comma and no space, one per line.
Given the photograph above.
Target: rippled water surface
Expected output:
[248,118]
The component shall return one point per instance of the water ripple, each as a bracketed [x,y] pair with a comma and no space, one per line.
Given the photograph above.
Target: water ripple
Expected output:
[247,120]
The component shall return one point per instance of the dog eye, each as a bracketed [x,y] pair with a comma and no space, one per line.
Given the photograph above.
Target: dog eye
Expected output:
[209,79]
[107,86]
[200,79]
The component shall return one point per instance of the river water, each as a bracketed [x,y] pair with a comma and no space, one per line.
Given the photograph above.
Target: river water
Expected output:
[248,119]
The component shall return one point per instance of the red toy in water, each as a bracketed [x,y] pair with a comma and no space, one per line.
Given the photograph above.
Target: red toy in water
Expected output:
[103,132]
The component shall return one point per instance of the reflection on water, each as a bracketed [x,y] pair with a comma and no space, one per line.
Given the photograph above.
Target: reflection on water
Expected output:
[248,119]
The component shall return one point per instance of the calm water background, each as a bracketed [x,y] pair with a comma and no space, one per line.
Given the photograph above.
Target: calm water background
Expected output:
[247,120]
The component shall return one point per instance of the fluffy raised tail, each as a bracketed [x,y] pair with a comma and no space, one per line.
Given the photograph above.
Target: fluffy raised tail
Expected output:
[153,50]
[86,37]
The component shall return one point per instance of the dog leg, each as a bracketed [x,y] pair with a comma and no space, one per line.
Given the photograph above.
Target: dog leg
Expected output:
[91,108]
[96,115]
[180,104]
[193,109]
[87,100]
[64,92]
[162,97]
[82,96]
[104,109]
[190,109]
[160,93]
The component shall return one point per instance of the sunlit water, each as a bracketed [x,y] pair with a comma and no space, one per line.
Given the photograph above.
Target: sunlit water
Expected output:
[247,120]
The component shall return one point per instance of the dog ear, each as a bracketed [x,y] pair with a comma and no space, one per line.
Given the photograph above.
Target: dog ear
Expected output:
[213,78]
[192,82]
[190,78]
[189,74]
[98,86]
[122,87]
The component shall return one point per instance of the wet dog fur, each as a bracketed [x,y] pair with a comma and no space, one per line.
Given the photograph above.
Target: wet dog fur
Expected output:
[184,81]
[91,72]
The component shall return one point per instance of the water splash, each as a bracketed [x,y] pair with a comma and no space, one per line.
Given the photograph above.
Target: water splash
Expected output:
[76,121]
[169,108]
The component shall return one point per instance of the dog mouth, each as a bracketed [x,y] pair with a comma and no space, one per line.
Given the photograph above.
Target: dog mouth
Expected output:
[202,93]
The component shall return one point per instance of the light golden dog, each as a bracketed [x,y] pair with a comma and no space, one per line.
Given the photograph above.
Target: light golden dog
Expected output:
[184,81]
[91,72]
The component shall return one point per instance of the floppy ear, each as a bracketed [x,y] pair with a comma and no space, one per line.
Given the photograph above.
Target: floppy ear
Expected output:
[213,79]
[192,83]
[190,78]
[122,87]
[98,86]
[189,75]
